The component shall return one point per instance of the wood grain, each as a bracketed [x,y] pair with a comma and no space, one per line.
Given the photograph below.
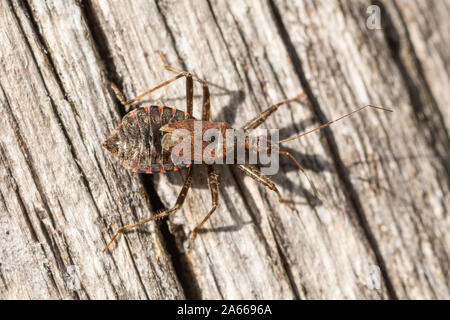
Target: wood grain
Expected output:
[379,229]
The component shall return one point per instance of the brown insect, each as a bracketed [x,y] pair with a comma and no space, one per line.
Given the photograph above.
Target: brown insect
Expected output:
[144,143]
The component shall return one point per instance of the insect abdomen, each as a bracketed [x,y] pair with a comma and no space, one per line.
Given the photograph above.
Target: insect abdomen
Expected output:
[140,139]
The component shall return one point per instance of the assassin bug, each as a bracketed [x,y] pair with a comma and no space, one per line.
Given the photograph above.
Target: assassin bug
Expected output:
[143,142]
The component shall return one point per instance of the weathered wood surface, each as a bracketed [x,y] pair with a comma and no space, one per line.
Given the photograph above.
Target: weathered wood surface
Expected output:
[383,178]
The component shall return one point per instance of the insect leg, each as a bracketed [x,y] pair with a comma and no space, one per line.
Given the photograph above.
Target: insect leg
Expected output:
[254,173]
[285,153]
[119,94]
[178,204]
[189,93]
[212,181]
[259,119]
[206,110]
[206,99]
[142,95]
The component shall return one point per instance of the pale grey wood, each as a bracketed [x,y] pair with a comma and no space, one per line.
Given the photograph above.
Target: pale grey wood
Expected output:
[279,248]
[58,191]
[397,163]
[380,228]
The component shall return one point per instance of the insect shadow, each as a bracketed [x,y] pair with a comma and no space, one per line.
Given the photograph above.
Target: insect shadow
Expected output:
[311,162]
[228,174]
[146,139]
[228,113]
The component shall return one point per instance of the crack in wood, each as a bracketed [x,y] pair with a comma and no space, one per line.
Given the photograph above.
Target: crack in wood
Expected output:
[184,275]
[435,133]
[333,150]
[383,206]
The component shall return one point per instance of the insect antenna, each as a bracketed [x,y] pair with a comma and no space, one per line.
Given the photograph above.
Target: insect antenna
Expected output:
[333,121]
[285,153]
